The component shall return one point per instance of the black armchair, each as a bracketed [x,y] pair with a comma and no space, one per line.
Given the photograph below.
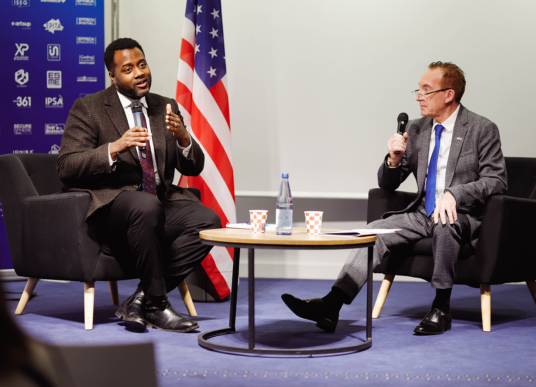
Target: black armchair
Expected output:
[48,235]
[505,251]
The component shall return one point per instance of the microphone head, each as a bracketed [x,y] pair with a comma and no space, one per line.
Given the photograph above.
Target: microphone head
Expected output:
[135,105]
[403,117]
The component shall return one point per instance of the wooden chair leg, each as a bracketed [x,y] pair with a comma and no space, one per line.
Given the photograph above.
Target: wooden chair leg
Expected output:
[187,298]
[382,295]
[26,294]
[114,292]
[89,304]
[485,302]
[532,289]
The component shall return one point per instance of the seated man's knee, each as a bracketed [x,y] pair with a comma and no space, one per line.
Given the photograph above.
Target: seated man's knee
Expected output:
[148,206]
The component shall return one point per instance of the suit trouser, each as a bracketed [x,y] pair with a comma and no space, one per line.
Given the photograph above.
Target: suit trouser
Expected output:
[446,243]
[160,237]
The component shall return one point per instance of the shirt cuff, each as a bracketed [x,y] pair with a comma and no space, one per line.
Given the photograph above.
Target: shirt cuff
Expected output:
[185,151]
[109,156]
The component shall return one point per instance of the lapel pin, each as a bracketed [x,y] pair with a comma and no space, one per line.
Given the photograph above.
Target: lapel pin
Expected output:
[459,138]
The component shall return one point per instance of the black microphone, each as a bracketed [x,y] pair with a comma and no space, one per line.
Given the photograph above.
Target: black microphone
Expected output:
[137,113]
[401,128]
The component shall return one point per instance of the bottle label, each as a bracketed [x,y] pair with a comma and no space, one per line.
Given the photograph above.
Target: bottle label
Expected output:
[283,218]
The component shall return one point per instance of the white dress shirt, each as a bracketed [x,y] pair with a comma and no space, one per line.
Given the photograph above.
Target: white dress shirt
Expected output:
[126,102]
[444,150]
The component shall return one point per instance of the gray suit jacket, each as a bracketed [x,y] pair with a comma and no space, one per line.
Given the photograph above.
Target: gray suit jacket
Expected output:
[475,168]
[98,119]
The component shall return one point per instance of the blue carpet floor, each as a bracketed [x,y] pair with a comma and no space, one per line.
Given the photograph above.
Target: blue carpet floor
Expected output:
[465,355]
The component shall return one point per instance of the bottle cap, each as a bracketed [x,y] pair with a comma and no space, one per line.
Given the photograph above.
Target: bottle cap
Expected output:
[284,175]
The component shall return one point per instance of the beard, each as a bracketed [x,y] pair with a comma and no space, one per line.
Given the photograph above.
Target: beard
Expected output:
[131,92]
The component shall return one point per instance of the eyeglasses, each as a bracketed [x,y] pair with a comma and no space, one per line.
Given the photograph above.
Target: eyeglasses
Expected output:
[419,94]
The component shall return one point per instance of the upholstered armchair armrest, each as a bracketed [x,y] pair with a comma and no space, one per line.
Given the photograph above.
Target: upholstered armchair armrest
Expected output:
[506,251]
[381,201]
[56,238]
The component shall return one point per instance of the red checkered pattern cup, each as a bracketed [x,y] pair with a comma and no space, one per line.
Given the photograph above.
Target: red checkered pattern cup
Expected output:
[313,222]
[257,219]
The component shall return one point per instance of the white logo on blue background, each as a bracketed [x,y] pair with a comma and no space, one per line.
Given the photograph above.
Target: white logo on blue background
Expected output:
[20,3]
[53,52]
[86,21]
[22,77]
[91,3]
[53,79]
[86,79]
[21,49]
[54,128]
[54,149]
[86,59]
[21,129]
[53,25]
[86,40]
[24,25]
[54,102]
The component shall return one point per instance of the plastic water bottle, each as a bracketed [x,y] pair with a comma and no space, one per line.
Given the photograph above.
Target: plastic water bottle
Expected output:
[283,212]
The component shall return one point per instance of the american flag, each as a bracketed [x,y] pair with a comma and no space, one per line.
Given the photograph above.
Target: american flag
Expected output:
[204,104]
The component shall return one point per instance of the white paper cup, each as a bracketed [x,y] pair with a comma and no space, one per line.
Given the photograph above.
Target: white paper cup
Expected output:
[313,222]
[257,219]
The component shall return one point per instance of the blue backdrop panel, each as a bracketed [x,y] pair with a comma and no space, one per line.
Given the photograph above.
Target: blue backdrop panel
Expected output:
[52,55]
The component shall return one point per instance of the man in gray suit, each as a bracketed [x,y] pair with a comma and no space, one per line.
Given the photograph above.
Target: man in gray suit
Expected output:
[456,158]
[128,169]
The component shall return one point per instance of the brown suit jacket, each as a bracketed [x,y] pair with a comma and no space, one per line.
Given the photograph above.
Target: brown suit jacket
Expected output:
[99,119]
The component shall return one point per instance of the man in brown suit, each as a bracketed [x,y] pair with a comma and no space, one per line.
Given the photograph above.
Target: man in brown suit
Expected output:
[128,169]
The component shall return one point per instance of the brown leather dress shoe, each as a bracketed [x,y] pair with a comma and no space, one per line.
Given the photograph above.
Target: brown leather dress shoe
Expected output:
[132,311]
[436,322]
[163,317]
[314,309]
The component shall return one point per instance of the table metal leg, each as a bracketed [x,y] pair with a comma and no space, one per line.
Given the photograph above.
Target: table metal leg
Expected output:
[234,289]
[369,293]
[251,297]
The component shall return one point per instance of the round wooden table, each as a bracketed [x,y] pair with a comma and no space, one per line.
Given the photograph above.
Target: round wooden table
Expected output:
[299,240]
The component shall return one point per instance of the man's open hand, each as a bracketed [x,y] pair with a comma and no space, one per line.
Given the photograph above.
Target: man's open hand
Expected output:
[446,205]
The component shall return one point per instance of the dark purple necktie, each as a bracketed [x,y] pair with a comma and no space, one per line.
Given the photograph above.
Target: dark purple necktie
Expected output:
[148,181]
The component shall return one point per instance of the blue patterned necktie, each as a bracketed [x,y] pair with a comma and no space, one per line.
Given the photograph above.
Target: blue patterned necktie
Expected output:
[148,180]
[429,203]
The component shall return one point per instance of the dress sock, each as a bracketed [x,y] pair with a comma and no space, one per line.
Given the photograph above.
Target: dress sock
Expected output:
[442,300]
[336,298]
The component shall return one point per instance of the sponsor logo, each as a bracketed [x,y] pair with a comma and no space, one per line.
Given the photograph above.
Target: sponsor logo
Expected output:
[86,79]
[86,21]
[53,79]
[54,102]
[82,95]
[54,128]
[53,25]
[53,52]
[86,59]
[23,151]
[86,40]
[52,1]
[21,129]
[24,25]
[54,149]
[22,77]
[23,102]
[21,49]
[91,3]
[20,3]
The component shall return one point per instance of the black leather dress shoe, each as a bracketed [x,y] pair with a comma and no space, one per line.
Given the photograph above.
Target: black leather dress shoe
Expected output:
[132,311]
[435,322]
[165,318]
[314,309]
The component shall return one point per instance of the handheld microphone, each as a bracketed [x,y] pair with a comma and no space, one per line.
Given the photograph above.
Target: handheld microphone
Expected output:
[137,113]
[401,128]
